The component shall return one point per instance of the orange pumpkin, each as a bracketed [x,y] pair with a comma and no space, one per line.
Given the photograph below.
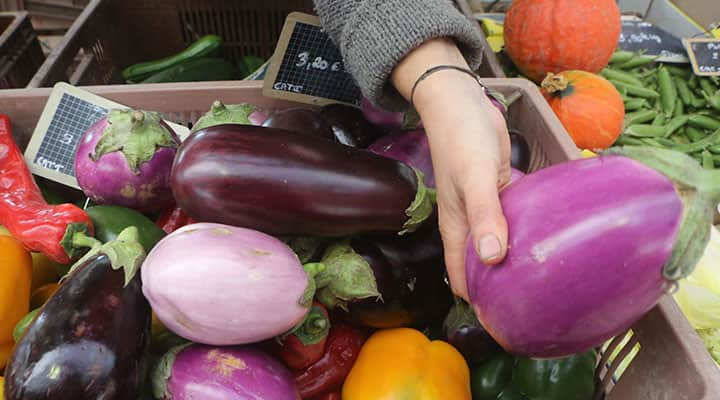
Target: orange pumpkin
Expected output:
[589,107]
[544,36]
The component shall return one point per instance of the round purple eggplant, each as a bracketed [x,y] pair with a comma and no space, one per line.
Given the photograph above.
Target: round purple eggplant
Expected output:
[593,245]
[301,120]
[221,373]
[350,126]
[467,335]
[89,340]
[520,154]
[410,147]
[125,160]
[281,183]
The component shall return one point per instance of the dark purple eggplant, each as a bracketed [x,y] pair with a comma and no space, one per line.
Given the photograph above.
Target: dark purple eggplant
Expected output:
[520,154]
[410,147]
[350,126]
[88,342]
[282,183]
[467,335]
[301,120]
[410,276]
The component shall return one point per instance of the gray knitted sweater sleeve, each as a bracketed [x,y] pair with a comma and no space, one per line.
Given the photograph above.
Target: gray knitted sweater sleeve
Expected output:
[374,35]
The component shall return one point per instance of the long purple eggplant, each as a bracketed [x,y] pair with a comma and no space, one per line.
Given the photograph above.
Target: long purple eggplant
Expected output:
[350,125]
[410,147]
[593,245]
[88,342]
[282,183]
[410,275]
[301,120]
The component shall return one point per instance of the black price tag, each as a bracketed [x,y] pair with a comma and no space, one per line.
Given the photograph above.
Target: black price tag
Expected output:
[638,35]
[307,67]
[704,55]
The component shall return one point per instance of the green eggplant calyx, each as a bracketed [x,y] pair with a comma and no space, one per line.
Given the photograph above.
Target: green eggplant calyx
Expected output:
[124,252]
[421,207]
[137,134]
[461,315]
[347,277]
[68,241]
[225,114]
[312,329]
[304,247]
[312,270]
[411,119]
[699,191]
[163,371]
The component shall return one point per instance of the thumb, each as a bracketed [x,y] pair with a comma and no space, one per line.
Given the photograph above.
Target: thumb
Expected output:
[488,227]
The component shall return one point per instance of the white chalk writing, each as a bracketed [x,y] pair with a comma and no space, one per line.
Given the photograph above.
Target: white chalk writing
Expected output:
[305,60]
[45,163]
[288,87]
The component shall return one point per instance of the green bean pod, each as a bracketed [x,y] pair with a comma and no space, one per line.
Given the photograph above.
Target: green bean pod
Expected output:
[683,91]
[703,121]
[700,145]
[693,82]
[635,90]
[624,140]
[683,73]
[659,120]
[679,108]
[645,130]
[694,134]
[636,61]
[639,117]
[675,124]
[621,56]
[636,104]
[668,92]
[621,76]
[713,101]
[707,87]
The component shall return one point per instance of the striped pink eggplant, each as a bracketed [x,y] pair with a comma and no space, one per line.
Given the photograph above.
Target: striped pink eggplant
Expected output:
[593,245]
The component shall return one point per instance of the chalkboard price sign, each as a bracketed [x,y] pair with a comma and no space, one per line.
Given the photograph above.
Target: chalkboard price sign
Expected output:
[704,55]
[639,35]
[307,66]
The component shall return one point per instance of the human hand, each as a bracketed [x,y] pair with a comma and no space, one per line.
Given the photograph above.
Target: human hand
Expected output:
[470,149]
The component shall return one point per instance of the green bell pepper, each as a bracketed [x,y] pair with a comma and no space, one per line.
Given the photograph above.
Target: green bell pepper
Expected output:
[109,221]
[570,378]
[506,377]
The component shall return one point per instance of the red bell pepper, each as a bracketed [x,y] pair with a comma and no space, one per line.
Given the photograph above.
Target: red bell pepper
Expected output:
[172,219]
[41,227]
[327,375]
[305,346]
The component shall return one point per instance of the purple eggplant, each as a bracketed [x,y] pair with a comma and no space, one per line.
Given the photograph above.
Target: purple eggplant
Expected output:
[409,147]
[282,183]
[467,335]
[520,154]
[350,126]
[594,243]
[89,340]
[410,275]
[198,372]
[301,120]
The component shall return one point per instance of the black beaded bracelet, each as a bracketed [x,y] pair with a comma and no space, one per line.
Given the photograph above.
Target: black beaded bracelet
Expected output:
[440,68]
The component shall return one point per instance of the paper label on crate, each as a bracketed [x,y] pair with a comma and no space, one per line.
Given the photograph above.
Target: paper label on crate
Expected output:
[704,55]
[307,67]
[643,36]
[68,113]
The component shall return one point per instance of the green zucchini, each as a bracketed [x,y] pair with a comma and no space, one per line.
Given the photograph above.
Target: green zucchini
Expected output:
[201,69]
[206,46]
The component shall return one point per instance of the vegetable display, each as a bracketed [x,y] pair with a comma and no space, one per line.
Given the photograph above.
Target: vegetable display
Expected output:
[402,363]
[595,252]
[589,107]
[89,340]
[543,36]
[191,273]
[283,183]
[40,227]
[125,159]
[224,373]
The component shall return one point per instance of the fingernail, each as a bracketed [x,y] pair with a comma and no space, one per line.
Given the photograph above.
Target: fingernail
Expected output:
[489,248]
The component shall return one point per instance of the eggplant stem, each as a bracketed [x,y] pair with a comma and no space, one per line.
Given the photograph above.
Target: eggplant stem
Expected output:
[421,207]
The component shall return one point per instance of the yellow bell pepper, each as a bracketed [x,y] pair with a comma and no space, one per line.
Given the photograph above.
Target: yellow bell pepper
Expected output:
[2,391]
[15,276]
[44,269]
[402,363]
